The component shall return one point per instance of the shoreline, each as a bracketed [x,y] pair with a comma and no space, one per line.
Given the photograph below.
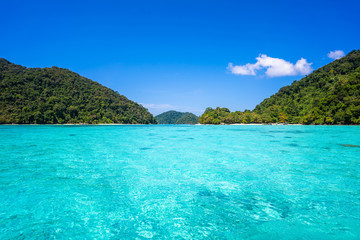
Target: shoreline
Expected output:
[73,124]
[198,124]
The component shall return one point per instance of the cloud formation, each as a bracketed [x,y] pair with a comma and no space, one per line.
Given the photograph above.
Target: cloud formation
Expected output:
[159,108]
[336,54]
[275,67]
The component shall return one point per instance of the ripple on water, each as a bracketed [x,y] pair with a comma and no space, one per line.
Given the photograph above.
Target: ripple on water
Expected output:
[155,182]
[292,144]
[145,148]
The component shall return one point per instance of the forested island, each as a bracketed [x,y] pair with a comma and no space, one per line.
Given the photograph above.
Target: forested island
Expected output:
[174,117]
[57,96]
[329,95]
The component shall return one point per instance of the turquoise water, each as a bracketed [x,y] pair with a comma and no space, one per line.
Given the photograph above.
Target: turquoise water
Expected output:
[179,182]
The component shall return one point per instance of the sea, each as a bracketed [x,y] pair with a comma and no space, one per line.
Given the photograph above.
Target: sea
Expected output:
[179,182]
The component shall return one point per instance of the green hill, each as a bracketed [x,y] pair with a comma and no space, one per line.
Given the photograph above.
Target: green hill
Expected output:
[56,95]
[329,95]
[174,117]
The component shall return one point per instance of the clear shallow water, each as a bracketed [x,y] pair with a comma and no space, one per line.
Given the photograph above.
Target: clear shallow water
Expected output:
[179,182]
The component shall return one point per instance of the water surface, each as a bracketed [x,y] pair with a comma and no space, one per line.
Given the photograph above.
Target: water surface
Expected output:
[179,182]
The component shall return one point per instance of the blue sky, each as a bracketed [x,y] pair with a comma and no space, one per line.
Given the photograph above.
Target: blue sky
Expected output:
[176,54]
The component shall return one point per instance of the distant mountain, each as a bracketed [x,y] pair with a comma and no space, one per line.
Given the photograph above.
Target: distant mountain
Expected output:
[174,117]
[56,95]
[329,95]
[188,118]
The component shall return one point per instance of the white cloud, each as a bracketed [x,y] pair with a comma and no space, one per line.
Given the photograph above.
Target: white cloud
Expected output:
[275,67]
[159,108]
[248,69]
[336,54]
[303,67]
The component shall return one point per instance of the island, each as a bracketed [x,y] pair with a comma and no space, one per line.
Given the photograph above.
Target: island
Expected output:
[59,96]
[330,95]
[174,117]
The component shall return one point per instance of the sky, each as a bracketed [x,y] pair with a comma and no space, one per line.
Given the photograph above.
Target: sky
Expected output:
[182,55]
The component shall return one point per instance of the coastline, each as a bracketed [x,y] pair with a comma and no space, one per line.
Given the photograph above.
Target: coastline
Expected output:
[74,124]
[198,124]
[274,124]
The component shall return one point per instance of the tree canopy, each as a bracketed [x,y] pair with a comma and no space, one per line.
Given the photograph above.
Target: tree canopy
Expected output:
[174,117]
[329,95]
[55,95]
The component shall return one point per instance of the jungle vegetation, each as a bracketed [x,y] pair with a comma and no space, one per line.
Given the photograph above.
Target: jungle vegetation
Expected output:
[174,117]
[56,95]
[329,95]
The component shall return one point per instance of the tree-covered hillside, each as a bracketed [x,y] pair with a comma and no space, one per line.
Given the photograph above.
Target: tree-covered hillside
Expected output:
[174,117]
[56,95]
[188,118]
[223,115]
[329,95]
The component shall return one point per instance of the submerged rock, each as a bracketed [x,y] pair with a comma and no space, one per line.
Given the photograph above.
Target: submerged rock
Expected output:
[349,145]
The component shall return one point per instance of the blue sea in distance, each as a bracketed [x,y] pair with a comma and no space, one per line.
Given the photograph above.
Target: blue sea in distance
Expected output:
[179,182]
